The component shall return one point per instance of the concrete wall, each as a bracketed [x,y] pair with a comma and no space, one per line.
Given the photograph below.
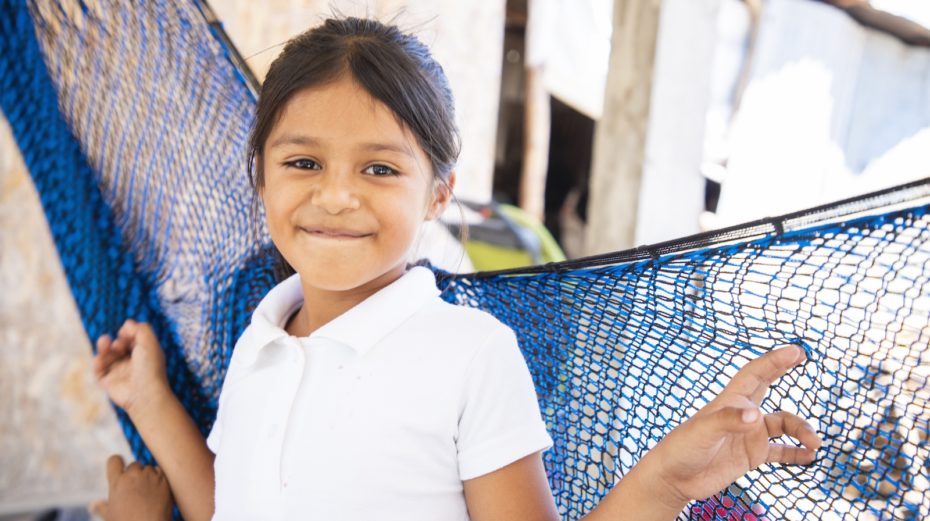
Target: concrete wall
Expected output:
[831,110]
[56,426]
[646,185]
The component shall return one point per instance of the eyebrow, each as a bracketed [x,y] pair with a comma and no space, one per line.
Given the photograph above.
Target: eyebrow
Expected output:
[294,139]
[390,147]
[299,139]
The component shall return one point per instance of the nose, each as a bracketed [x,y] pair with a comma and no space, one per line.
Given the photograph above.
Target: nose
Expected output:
[335,192]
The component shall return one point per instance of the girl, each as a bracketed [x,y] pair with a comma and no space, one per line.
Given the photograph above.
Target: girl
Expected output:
[355,392]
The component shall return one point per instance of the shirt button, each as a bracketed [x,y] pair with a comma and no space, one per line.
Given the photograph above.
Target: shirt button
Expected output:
[284,483]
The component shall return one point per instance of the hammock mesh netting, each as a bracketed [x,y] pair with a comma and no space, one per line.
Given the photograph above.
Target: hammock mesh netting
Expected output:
[133,124]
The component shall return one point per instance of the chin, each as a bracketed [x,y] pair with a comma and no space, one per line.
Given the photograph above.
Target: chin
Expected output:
[332,280]
[337,280]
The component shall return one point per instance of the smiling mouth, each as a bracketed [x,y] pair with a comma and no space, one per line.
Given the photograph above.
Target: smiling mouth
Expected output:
[335,233]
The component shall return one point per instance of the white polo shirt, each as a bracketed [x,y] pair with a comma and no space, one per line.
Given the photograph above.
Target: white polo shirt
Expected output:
[380,414]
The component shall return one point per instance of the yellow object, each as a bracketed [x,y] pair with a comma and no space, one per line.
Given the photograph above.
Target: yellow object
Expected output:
[528,243]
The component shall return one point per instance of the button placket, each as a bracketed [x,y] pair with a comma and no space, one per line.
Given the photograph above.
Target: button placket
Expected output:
[293,375]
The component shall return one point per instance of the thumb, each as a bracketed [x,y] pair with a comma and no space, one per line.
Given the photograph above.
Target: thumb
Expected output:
[98,508]
[115,468]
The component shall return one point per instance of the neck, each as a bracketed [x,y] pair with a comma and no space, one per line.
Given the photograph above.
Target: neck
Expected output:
[321,306]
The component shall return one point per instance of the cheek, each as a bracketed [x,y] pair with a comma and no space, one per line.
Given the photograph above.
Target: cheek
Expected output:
[277,210]
[406,219]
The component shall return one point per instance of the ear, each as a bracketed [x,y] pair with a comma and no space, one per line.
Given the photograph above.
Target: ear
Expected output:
[442,194]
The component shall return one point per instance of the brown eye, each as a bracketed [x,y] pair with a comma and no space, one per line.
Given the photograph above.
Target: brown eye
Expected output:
[303,164]
[380,170]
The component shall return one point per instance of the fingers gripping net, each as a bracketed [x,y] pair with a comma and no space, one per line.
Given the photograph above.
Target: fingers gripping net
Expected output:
[133,124]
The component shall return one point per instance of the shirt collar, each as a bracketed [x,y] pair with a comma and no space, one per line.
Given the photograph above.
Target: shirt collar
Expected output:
[360,328]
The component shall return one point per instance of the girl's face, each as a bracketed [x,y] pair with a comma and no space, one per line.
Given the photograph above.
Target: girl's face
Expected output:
[346,187]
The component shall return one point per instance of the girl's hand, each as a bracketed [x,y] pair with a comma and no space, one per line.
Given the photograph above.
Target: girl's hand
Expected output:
[136,493]
[131,368]
[730,435]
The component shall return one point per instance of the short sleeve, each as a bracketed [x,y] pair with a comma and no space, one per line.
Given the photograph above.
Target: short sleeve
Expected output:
[216,432]
[500,420]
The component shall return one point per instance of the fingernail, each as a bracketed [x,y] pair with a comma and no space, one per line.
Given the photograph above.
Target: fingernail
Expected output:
[750,415]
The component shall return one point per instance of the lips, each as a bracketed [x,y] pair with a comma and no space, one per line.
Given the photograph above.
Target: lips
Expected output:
[325,232]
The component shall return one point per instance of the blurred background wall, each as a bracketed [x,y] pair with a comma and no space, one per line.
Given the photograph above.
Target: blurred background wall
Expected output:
[56,426]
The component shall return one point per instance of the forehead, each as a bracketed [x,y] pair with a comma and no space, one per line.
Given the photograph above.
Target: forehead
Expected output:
[343,111]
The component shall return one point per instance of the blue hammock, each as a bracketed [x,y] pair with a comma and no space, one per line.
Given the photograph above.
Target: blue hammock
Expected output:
[133,124]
